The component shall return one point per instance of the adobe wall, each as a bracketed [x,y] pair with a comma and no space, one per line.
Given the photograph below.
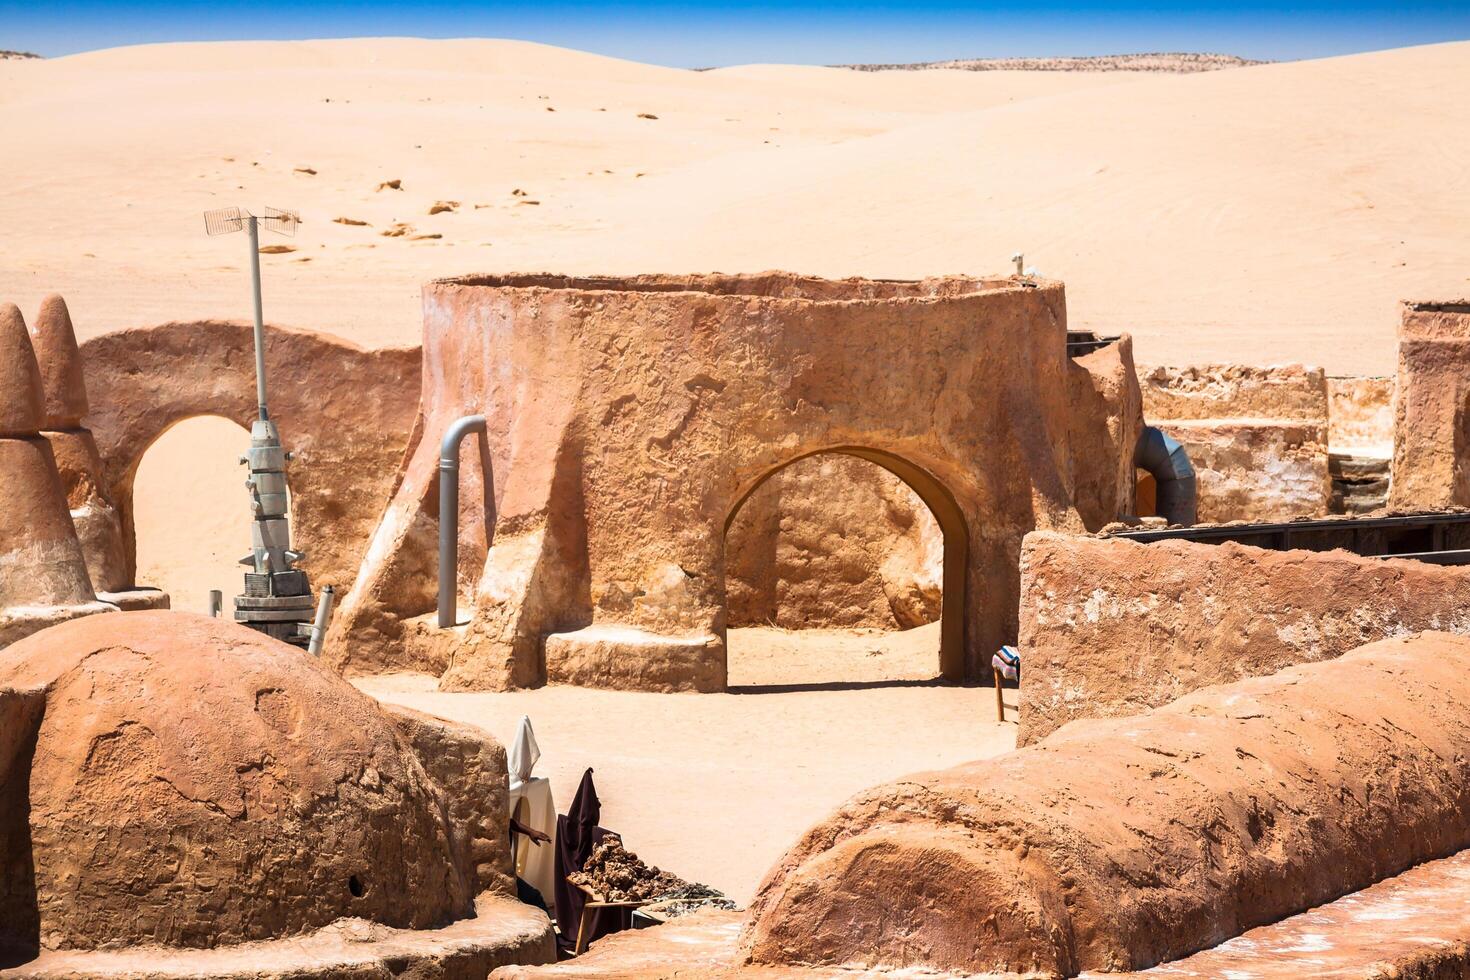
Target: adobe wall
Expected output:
[1256,436]
[344,412]
[1111,627]
[1117,844]
[1360,416]
[834,540]
[1431,457]
[628,419]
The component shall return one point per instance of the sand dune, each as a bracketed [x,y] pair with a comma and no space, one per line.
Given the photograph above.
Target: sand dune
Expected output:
[111,156]
[1265,214]
[1268,213]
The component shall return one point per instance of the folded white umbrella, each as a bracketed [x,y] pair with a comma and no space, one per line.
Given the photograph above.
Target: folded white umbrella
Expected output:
[523,754]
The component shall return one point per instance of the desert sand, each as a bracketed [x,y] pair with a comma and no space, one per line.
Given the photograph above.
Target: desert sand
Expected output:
[716,787]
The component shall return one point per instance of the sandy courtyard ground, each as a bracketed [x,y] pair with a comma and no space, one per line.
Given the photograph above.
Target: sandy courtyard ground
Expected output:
[764,656]
[716,787]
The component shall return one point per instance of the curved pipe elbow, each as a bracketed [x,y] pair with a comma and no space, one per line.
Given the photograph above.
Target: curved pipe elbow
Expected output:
[454,436]
[449,513]
[1166,460]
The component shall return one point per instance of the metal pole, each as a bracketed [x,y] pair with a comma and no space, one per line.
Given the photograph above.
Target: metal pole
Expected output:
[259,322]
[449,514]
[323,618]
[216,602]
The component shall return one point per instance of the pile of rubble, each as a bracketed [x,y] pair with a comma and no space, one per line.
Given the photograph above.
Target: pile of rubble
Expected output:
[615,874]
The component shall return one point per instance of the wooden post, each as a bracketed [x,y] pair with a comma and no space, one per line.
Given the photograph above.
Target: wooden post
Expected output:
[580,947]
[1000,704]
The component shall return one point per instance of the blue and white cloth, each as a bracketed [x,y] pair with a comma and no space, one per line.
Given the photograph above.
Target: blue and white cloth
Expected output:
[1008,662]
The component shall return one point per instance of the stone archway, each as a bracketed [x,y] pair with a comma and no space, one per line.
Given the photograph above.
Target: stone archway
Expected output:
[189,518]
[627,416]
[345,412]
[951,520]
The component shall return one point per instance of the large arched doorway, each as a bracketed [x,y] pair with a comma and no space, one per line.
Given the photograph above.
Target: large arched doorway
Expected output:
[845,566]
[190,512]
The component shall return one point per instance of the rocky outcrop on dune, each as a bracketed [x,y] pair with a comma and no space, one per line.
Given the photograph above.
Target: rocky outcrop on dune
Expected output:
[1178,62]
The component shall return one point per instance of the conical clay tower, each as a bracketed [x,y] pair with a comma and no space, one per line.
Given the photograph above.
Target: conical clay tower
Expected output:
[43,576]
[93,512]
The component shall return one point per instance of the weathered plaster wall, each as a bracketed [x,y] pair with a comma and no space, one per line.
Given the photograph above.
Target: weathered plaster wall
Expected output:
[1120,843]
[1360,416]
[1431,457]
[629,417]
[1257,437]
[1111,627]
[834,540]
[344,412]
[469,766]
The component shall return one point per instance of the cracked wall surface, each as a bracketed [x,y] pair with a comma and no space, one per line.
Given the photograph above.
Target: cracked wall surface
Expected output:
[1256,436]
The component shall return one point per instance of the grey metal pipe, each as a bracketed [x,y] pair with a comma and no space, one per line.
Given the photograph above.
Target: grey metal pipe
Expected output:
[259,320]
[449,514]
[1173,475]
[323,619]
[216,602]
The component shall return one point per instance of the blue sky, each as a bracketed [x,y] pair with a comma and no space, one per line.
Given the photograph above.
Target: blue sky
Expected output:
[722,32]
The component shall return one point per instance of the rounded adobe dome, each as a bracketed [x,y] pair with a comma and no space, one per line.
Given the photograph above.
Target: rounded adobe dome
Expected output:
[195,783]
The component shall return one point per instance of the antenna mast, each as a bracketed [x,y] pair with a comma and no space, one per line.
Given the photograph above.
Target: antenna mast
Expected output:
[277,599]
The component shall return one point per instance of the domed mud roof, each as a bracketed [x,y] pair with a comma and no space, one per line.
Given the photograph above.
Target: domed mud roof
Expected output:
[195,783]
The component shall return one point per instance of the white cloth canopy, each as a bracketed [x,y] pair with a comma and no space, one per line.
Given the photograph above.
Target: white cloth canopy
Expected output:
[532,805]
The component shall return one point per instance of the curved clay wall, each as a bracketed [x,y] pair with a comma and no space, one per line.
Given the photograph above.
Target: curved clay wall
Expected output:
[1118,844]
[628,417]
[345,413]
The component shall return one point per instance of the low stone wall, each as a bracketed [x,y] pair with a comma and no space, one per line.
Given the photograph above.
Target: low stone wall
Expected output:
[1257,436]
[1233,391]
[1255,469]
[1112,627]
[1119,844]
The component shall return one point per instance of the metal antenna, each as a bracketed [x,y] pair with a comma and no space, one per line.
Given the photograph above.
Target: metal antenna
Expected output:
[277,598]
[223,221]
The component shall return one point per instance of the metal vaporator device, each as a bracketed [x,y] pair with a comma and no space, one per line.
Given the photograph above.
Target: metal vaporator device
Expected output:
[277,599]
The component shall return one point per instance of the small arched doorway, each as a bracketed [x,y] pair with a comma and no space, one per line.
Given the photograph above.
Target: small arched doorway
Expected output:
[190,511]
[794,576]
